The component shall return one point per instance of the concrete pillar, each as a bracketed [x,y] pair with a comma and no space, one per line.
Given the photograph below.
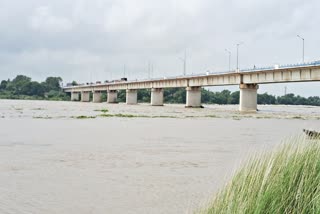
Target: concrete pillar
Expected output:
[85,96]
[193,97]
[157,97]
[96,98]
[75,96]
[248,97]
[112,96]
[132,96]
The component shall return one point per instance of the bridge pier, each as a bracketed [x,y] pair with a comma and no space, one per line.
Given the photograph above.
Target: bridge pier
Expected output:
[75,96]
[96,98]
[193,97]
[248,97]
[157,97]
[112,96]
[85,96]
[132,96]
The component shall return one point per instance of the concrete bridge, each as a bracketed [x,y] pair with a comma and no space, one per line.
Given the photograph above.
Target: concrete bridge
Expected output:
[248,81]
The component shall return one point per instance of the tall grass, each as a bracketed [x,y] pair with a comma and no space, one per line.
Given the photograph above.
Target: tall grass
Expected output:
[284,181]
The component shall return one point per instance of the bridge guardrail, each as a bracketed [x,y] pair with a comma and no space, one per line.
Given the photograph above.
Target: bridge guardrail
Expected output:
[305,64]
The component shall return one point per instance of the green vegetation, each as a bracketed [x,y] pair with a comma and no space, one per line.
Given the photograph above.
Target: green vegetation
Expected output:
[41,117]
[212,116]
[121,115]
[38,109]
[143,96]
[102,110]
[22,87]
[84,117]
[285,181]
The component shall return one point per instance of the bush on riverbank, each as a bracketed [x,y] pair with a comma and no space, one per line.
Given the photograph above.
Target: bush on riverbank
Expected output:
[285,181]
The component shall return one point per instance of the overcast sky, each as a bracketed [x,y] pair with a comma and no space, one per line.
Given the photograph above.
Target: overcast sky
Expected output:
[94,40]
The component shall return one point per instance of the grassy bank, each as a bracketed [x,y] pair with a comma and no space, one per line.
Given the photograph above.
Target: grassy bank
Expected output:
[285,181]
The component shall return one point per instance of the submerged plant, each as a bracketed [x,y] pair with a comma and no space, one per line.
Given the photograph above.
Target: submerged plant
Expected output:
[285,181]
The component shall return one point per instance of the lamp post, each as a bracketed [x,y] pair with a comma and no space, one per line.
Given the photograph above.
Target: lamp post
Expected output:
[302,46]
[229,52]
[240,43]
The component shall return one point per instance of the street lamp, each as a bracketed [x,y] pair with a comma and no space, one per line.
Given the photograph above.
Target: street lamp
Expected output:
[229,52]
[302,46]
[240,43]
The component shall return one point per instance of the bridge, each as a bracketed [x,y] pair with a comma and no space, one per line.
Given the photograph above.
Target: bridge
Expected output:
[247,79]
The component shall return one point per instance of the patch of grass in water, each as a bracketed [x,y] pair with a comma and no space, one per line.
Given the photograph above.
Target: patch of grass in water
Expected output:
[134,116]
[105,115]
[164,116]
[284,181]
[298,117]
[38,109]
[121,115]
[236,118]
[41,117]
[102,110]
[212,116]
[83,117]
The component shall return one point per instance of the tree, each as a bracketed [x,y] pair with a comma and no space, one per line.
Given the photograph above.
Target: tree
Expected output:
[174,95]
[234,98]
[53,83]
[144,95]
[19,84]
[3,84]
[266,99]
[34,89]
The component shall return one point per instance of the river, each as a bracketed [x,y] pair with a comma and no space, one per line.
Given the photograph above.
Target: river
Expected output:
[139,159]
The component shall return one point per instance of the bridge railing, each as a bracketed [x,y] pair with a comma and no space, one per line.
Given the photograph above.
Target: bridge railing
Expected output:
[305,64]
[274,67]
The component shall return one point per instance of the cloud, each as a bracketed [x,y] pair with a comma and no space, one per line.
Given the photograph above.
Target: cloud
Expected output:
[44,20]
[74,38]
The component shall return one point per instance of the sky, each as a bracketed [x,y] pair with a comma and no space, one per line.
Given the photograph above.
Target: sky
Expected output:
[97,40]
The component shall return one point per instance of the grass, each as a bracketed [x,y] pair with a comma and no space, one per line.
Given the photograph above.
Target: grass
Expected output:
[298,117]
[102,110]
[212,116]
[284,181]
[84,117]
[41,117]
[121,115]
[38,109]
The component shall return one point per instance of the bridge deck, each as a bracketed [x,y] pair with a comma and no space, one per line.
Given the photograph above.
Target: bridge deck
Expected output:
[296,73]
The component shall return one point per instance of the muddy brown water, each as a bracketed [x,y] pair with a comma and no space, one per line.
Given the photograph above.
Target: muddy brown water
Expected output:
[53,163]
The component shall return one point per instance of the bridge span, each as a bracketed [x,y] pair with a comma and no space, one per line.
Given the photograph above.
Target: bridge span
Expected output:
[248,81]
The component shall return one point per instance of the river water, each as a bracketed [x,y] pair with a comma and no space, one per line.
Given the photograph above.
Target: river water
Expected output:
[167,160]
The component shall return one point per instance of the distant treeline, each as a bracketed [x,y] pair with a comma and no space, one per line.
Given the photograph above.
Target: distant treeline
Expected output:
[22,87]
[178,95]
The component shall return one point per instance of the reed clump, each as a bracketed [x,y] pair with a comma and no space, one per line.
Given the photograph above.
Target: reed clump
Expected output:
[284,181]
